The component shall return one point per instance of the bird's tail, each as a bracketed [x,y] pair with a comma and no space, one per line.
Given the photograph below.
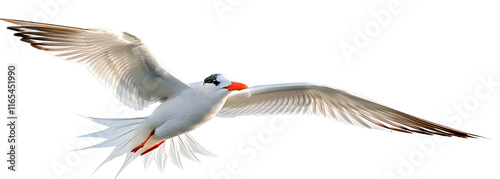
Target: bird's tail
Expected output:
[125,134]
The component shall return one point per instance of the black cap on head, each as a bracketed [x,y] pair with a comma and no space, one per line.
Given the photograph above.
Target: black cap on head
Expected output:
[212,79]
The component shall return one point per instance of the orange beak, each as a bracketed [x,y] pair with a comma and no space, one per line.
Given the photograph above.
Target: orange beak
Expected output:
[236,86]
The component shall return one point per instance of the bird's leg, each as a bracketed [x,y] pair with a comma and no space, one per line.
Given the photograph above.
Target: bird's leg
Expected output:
[152,148]
[142,144]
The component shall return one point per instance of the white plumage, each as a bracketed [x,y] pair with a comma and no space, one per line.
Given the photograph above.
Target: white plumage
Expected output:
[128,69]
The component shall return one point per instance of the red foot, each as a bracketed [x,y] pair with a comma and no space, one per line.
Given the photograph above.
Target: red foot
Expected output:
[137,148]
[152,148]
[142,144]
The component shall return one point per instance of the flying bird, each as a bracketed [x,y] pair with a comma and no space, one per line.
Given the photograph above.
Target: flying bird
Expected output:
[124,64]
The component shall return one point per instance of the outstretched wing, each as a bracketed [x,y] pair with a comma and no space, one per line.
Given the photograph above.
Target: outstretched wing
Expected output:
[118,59]
[302,98]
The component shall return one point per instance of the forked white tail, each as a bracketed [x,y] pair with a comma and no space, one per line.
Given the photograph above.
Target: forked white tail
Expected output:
[126,133]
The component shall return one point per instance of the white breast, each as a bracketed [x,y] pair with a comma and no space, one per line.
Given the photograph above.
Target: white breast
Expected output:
[185,112]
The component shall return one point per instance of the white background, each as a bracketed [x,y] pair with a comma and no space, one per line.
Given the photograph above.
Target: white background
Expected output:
[425,60]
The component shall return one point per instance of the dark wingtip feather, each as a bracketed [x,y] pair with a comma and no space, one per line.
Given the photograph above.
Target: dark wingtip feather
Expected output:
[14,28]
[9,20]
[19,34]
[37,46]
[22,23]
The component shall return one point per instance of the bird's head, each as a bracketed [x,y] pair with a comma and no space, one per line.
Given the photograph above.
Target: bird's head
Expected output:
[218,82]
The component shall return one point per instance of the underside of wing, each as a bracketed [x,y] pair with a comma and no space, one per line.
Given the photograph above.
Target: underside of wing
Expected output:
[302,98]
[118,59]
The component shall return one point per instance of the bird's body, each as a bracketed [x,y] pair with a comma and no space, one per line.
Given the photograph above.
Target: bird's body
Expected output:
[124,64]
[184,112]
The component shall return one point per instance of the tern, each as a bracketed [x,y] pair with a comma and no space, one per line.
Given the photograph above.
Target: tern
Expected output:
[124,64]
